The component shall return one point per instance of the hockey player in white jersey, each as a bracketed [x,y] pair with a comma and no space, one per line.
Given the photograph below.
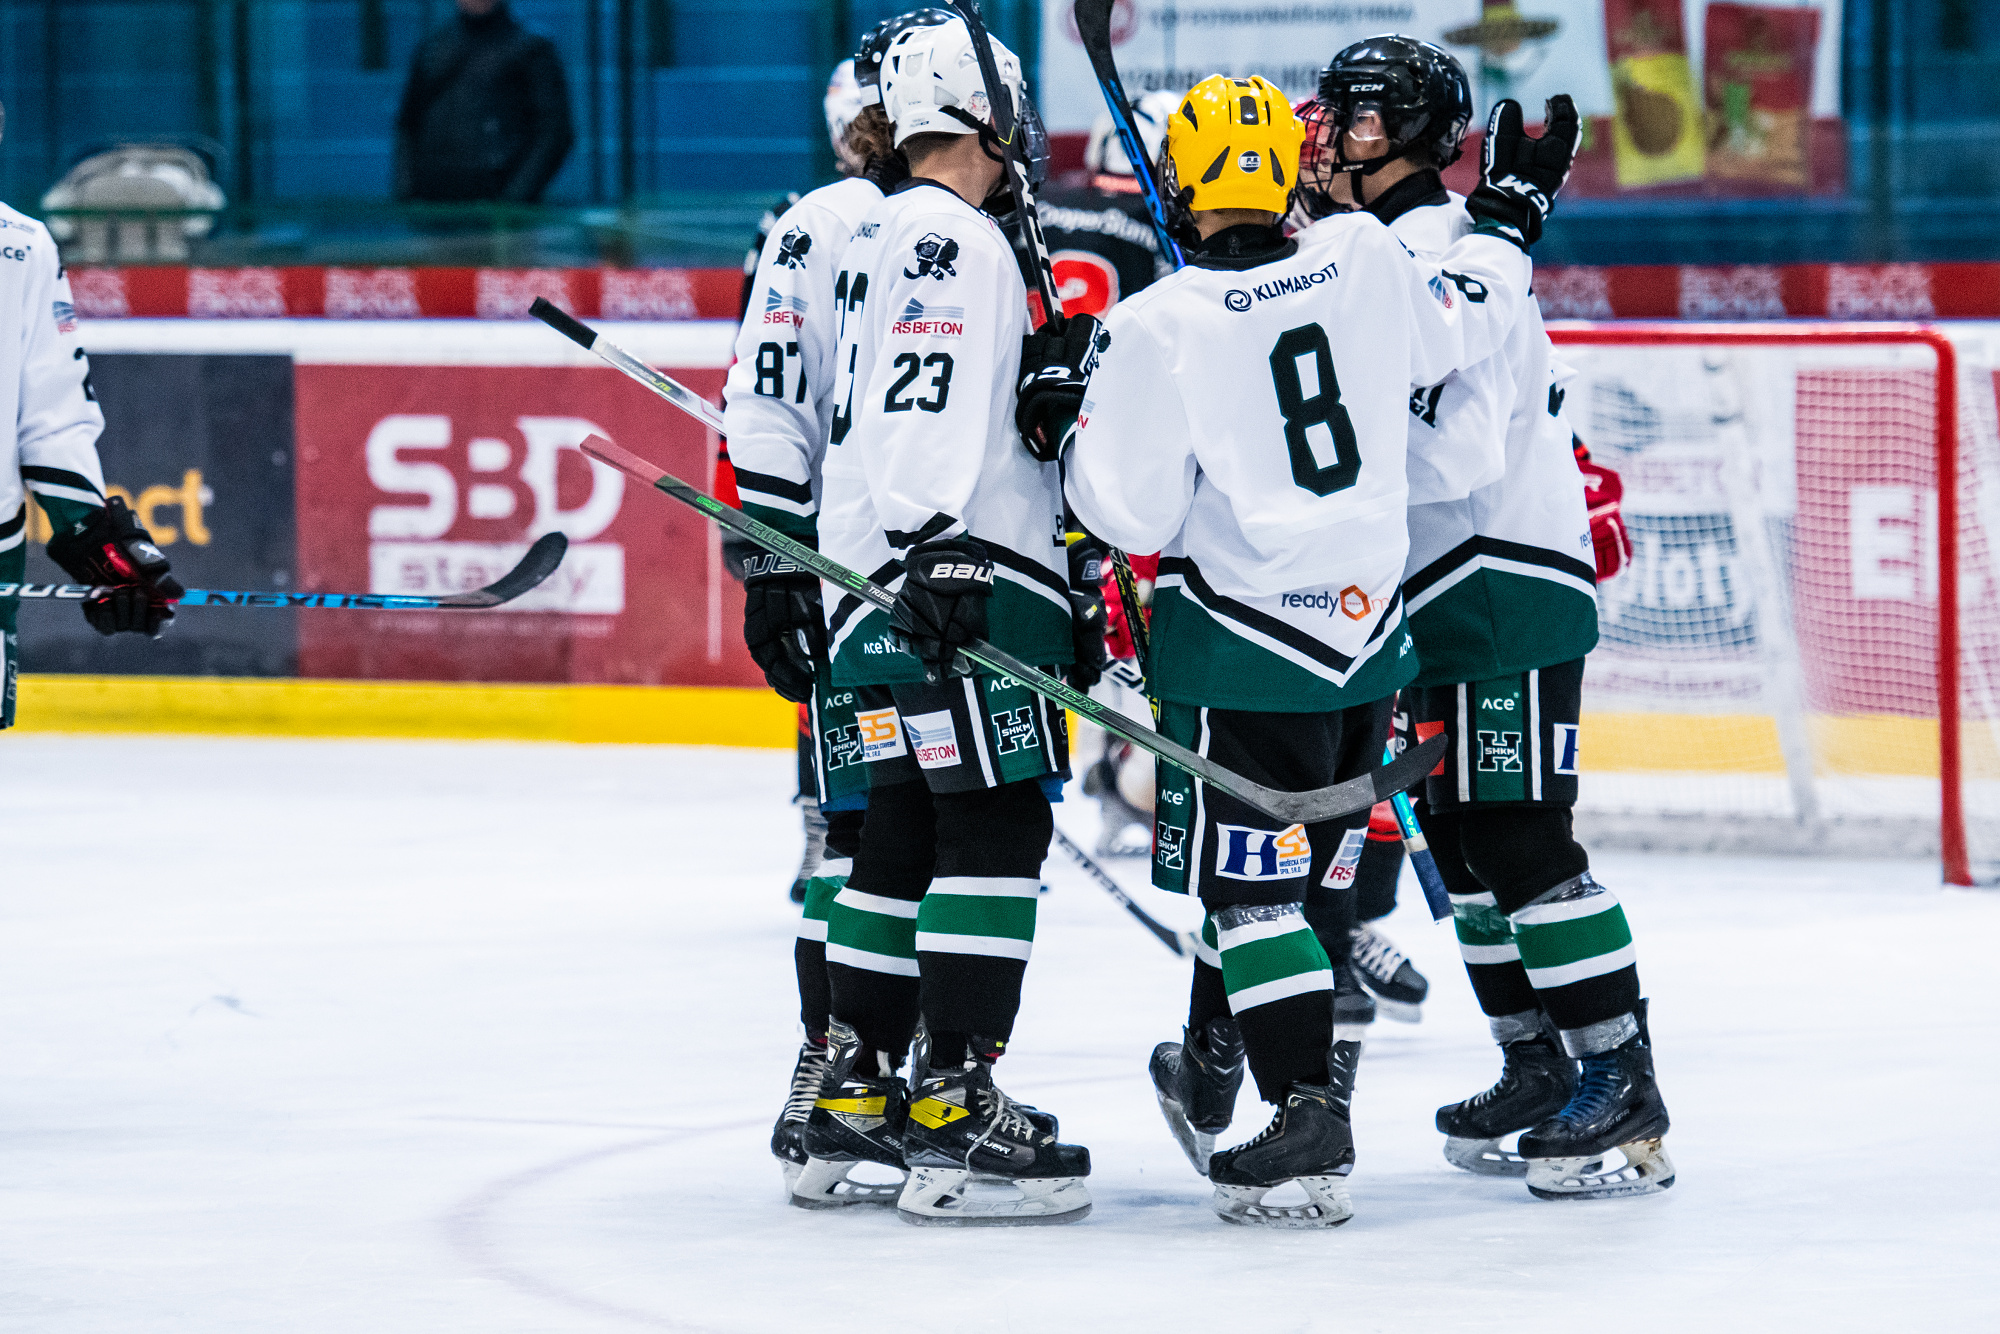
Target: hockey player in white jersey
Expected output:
[1249,420]
[1501,590]
[52,447]
[777,406]
[927,486]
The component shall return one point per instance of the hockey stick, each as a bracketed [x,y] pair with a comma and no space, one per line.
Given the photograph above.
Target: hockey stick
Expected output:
[1436,896]
[537,565]
[1006,128]
[1172,939]
[1093,24]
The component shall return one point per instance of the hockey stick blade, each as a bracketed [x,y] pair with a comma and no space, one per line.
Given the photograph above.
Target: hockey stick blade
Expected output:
[1093,25]
[1166,935]
[1325,803]
[538,564]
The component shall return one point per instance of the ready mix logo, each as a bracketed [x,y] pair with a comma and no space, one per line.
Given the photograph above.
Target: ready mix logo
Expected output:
[433,475]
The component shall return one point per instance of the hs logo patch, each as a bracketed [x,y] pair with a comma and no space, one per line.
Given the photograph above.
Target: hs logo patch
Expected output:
[1566,748]
[1242,853]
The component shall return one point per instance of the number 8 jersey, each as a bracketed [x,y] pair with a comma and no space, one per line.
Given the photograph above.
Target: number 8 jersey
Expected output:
[931,311]
[1249,421]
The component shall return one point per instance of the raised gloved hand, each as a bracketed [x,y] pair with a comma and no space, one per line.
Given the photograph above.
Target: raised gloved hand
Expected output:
[1088,619]
[942,605]
[1603,492]
[1519,177]
[784,625]
[112,550]
[1056,361]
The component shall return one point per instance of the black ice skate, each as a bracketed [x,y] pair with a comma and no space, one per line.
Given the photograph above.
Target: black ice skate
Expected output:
[1123,829]
[1196,1081]
[1385,970]
[1537,1079]
[920,1070]
[1353,1007]
[788,1143]
[1309,1142]
[1617,1107]
[856,1119]
[975,1160]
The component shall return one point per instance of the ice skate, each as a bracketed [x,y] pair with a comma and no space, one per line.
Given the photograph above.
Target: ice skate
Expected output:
[855,1119]
[1309,1144]
[1386,971]
[1616,1110]
[1196,1081]
[1537,1080]
[920,1070]
[1124,830]
[1353,1007]
[976,1161]
[788,1144]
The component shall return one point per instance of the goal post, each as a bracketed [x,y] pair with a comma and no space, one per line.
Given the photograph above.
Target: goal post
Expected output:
[1790,634]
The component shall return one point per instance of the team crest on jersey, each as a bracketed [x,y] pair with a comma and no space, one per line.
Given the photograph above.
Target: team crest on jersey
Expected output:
[934,256]
[793,248]
[1242,853]
[843,747]
[1499,752]
[1171,849]
[1016,730]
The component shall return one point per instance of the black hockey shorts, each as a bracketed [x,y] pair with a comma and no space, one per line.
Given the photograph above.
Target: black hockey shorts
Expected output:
[1228,852]
[962,735]
[1513,739]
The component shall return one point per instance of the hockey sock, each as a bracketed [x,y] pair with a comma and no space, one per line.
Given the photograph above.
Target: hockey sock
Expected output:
[1208,995]
[1381,865]
[1485,936]
[1331,915]
[809,954]
[976,927]
[871,925]
[1280,988]
[1578,952]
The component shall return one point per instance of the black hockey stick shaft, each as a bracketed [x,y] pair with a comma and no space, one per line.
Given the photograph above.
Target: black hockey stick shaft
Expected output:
[1093,24]
[1007,128]
[538,564]
[1167,936]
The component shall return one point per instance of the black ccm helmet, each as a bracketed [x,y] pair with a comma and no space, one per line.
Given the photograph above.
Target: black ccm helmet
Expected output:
[1419,90]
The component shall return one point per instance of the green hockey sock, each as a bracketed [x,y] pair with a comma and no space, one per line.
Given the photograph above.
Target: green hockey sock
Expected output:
[1269,953]
[820,892]
[1574,936]
[871,932]
[988,915]
[1485,936]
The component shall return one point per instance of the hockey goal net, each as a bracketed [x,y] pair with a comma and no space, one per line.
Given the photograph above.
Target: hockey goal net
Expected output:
[1802,654]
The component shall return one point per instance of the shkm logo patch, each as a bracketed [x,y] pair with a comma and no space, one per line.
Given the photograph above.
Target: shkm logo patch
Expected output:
[1499,752]
[1346,860]
[1242,853]
[933,739]
[1566,748]
[881,735]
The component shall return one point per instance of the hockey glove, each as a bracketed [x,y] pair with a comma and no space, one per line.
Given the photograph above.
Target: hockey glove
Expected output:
[1056,361]
[784,626]
[942,605]
[1603,492]
[111,549]
[1519,177]
[1088,620]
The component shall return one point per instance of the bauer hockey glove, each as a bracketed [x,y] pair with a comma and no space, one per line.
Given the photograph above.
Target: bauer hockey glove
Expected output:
[1603,492]
[784,626]
[1519,177]
[942,605]
[1088,619]
[111,549]
[1056,361]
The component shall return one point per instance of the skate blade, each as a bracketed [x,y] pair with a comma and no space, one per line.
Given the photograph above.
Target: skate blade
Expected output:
[791,1171]
[1198,1145]
[1484,1156]
[1401,1011]
[1327,1204]
[1647,1170]
[955,1197]
[823,1184]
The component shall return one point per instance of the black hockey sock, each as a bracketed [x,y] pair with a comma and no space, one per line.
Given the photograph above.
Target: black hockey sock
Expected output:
[843,840]
[1331,915]
[1375,878]
[871,957]
[1485,937]
[1208,998]
[1280,988]
[977,924]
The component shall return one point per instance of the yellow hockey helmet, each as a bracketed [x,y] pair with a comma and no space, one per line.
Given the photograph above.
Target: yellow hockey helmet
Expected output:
[1234,143]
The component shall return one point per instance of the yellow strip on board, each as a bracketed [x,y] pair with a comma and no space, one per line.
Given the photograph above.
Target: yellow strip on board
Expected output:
[267,706]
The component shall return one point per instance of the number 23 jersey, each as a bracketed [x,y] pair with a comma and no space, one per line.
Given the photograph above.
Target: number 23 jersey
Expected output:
[931,311]
[1250,421]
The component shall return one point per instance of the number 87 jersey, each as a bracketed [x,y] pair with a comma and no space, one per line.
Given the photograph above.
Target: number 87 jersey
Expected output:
[1250,421]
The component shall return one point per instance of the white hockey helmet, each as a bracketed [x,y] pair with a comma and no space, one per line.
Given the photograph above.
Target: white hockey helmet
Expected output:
[1105,153]
[931,82]
[843,103]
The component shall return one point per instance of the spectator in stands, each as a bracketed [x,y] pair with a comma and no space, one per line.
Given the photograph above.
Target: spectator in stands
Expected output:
[485,114]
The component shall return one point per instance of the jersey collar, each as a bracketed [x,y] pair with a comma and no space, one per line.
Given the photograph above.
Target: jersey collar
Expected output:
[1418,191]
[1244,246]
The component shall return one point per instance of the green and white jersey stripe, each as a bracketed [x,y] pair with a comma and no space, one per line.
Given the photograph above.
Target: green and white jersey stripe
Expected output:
[989,915]
[871,932]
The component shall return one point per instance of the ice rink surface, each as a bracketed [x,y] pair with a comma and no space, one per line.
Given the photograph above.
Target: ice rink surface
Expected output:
[330,1037]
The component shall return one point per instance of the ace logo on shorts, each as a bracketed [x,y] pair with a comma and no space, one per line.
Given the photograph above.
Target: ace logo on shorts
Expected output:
[881,735]
[1242,853]
[933,739]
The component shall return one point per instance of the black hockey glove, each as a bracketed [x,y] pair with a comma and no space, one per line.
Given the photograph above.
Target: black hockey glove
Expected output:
[942,606]
[1087,615]
[1520,177]
[784,626]
[1056,361]
[110,549]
